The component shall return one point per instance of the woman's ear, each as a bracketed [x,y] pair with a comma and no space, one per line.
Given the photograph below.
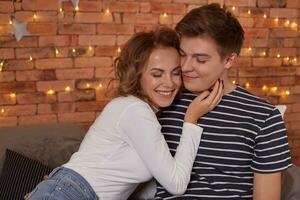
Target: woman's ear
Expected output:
[229,60]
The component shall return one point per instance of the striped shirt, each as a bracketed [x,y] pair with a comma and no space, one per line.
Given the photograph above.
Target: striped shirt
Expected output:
[242,135]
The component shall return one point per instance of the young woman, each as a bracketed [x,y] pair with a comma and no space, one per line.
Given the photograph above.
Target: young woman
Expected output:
[124,146]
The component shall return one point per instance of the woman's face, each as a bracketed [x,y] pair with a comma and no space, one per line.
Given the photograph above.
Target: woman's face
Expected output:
[161,78]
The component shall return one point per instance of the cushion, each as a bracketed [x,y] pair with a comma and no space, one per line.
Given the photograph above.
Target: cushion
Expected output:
[290,185]
[20,175]
[51,144]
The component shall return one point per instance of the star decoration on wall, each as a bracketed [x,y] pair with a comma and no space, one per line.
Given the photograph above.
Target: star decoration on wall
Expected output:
[19,29]
[74,2]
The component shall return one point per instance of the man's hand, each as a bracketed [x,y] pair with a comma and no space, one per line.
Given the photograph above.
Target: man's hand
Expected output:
[267,186]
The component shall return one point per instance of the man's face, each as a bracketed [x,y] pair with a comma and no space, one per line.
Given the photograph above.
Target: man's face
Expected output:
[201,63]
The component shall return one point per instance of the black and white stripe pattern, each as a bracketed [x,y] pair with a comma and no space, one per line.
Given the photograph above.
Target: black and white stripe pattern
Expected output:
[20,175]
[242,135]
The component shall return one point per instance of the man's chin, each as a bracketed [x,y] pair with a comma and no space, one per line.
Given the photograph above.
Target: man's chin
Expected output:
[194,88]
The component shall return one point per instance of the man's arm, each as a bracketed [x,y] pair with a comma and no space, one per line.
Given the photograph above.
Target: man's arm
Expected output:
[267,186]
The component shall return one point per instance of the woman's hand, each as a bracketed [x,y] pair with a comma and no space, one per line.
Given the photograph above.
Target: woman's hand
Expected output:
[204,102]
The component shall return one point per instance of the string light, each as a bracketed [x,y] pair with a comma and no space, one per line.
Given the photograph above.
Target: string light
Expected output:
[287,23]
[247,85]
[2,110]
[90,48]
[74,50]
[165,14]
[87,85]
[119,50]
[107,11]
[30,58]
[56,51]
[60,10]
[67,89]
[278,55]
[10,22]
[34,16]
[287,93]
[249,49]
[274,89]
[100,85]
[265,15]
[77,8]
[249,12]
[233,8]
[1,65]
[12,95]
[263,53]
[294,26]
[234,82]
[50,92]
[264,88]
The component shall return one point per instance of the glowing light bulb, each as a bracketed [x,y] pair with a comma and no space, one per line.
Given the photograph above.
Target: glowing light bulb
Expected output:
[263,53]
[249,49]
[276,19]
[60,10]
[274,89]
[50,92]
[12,95]
[2,110]
[87,85]
[234,82]
[165,14]
[107,11]
[233,8]
[249,12]
[278,55]
[119,50]
[90,48]
[10,22]
[100,85]
[287,93]
[264,88]
[287,23]
[67,88]
[74,50]
[56,51]
[265,16]
[1,65]
[30,58]
[247,85]
[77,8]
[34,16]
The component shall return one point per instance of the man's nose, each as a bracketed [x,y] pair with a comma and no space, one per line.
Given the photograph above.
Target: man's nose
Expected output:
[185,64]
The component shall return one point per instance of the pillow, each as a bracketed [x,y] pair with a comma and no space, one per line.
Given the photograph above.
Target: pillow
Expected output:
[281,109]
[290,184]
[20,175]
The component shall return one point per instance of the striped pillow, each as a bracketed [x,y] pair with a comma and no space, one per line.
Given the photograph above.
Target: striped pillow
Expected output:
[20,175]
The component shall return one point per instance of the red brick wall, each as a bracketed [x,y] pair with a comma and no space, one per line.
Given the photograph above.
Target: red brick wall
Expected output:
[96,36]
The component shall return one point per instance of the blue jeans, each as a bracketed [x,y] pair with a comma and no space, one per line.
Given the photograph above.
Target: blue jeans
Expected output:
[63,184]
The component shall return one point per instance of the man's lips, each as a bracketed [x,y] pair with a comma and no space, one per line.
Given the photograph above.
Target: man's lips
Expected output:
[189,77]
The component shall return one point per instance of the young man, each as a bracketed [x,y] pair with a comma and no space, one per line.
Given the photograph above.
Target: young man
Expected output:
[244,146]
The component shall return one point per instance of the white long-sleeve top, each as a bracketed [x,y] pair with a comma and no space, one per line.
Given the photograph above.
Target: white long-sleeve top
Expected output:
[125,147]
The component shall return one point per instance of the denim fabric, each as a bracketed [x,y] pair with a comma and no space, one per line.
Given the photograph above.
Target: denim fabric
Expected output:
[63,184]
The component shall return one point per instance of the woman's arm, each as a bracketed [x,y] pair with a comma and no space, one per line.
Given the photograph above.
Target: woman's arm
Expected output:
[139,126]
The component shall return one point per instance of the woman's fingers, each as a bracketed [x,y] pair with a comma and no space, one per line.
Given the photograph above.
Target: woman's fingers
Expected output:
[218,96]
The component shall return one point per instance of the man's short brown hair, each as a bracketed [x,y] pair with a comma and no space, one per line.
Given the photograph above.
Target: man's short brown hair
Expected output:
[213,21]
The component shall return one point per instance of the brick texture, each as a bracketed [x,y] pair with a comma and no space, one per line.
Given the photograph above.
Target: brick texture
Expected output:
[72,53]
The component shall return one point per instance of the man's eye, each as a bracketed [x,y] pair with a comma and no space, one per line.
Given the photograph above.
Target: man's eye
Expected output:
[201,61]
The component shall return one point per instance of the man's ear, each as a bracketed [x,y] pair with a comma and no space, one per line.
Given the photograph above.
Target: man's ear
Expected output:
[229,60]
